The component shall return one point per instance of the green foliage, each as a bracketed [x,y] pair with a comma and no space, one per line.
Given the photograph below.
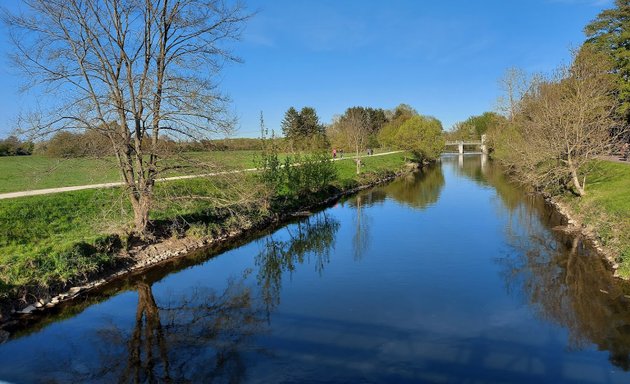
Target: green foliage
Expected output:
[12,146]
[308,173]
[387,135]
[610,33]
[303,129]
[476,126]
[421,135]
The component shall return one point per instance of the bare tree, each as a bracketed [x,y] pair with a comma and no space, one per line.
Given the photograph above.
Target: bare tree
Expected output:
[353,129]
[134,71]
[564,122]
[514,85]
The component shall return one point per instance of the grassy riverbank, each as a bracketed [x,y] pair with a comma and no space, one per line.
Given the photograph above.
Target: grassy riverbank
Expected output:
[605,209]
[63,238]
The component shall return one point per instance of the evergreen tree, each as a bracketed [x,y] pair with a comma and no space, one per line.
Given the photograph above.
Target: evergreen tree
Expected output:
[309,123]
[610,33]
[291,123]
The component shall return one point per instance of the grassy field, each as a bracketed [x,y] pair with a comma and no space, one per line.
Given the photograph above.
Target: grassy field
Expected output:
[22,173]
[43,239]
[606,207]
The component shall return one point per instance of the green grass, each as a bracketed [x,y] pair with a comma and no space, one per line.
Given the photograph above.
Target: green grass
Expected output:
[59,238]
[39,235]
[21,173]
[606,207]
[371,166]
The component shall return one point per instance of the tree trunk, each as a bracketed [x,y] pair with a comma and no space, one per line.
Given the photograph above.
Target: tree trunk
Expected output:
[576,181]
[141,207]
[358,160]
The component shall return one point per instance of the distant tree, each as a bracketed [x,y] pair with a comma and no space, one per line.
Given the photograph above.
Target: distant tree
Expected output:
[514,85]
[422,135]
[303,129]
[309,123]
[610,34]
[291,123]
[475,126]
[147,66]
[397,117]
[66,144]
[13,146]
[402,111]
[352,130]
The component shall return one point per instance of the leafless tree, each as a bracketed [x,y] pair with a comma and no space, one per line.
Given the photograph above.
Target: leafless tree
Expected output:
[563,122]
[514,85]
[353,130]
[137,72]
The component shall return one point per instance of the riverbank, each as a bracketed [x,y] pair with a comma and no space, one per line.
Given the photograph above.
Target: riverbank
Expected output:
[33,296]
[603,214]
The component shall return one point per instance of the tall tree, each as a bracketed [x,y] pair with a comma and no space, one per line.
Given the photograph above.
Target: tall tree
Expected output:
[291,123]
[563,123]
[514,85]
[134,71]
[610,33]
[309,123]
[303,129]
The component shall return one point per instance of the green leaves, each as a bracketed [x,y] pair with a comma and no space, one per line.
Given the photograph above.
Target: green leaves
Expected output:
[610,33]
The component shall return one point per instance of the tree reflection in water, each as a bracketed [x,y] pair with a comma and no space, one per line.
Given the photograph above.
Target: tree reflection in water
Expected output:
[311,237]
[196,337]
[560,276]
[419,189]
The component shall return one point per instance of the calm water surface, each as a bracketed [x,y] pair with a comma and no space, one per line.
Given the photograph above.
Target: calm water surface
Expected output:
[450,276]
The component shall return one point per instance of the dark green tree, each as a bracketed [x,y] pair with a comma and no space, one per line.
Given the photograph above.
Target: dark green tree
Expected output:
[291,123]
[610,33]
[309,123]
[303,129]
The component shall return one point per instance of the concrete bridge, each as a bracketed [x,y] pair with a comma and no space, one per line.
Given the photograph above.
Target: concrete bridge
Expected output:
[460,144]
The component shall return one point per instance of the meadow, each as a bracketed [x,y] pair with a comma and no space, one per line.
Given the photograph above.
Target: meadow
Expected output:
[62,237]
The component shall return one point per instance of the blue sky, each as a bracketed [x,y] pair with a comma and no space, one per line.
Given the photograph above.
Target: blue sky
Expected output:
[442,57]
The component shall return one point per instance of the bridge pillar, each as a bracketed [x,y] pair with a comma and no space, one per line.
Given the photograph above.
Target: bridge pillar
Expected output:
[484,147]
[460,147]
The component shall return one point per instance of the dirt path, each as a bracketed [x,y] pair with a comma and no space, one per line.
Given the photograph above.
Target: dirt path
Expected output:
[48,191]
[615,159]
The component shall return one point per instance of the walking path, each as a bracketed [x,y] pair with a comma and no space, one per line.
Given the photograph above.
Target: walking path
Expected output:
[615,159]
[48,191]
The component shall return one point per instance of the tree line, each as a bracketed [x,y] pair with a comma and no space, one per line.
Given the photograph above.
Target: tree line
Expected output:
[359,128]
[13,146]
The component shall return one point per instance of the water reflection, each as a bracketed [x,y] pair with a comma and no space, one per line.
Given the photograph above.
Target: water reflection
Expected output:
[422,300]
[566,283]
[312,237]
[560,277]
[417,190]
[200,336]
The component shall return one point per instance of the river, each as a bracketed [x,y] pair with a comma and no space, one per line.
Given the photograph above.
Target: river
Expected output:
[452,275]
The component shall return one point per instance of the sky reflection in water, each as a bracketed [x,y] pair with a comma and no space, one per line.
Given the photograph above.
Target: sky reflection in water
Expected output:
[445,276]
